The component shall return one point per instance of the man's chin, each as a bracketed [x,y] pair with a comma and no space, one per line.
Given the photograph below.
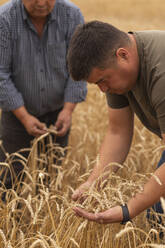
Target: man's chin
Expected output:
[118,92]
[40,13]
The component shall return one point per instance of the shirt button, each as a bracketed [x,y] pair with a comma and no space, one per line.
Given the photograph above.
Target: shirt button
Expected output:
[41,70]
[42,89]
[39,50]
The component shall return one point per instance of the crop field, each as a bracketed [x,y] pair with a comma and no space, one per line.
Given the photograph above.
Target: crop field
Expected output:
[39,213]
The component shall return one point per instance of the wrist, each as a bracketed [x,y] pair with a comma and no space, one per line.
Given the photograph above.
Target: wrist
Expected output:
[69,107]
[126,215]
[21,114]
[89,182]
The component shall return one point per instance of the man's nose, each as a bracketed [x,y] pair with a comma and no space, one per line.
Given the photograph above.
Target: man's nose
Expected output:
[102,87]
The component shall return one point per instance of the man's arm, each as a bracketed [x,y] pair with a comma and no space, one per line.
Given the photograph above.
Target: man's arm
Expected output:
[74,92]
[151,194]
[115,146]
[152,191]
[10,98]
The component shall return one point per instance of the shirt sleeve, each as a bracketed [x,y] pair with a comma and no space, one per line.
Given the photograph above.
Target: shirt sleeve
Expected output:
[158,101]
[10,98]
[116,101]
[75,91]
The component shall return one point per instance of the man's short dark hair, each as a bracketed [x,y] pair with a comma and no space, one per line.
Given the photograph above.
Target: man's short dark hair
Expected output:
[94,44]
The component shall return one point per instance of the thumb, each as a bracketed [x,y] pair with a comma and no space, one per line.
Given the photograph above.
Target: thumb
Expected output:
[41,125]
[58,124]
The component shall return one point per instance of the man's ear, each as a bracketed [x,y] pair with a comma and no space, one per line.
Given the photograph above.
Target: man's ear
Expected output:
[122,53]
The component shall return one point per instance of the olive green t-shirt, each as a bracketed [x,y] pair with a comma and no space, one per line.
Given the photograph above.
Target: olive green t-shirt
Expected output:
[147,98]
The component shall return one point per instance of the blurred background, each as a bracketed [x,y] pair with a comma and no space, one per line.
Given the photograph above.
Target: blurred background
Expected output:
[125,14]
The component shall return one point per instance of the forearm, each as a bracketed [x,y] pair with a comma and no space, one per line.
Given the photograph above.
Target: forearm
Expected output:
[21,114]
[69,106]
[151,193]
[115,148]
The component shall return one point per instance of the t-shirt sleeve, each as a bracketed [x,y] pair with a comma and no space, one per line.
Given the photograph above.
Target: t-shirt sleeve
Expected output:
[116,101]
[158,101]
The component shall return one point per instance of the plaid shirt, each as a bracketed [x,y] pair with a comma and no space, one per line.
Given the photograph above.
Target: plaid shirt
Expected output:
[33,70]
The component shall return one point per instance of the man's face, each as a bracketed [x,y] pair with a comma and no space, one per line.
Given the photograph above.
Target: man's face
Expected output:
[39,8]
[117,79]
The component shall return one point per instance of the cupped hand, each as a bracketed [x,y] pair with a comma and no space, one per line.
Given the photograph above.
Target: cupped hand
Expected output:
[63,122]
[33,126]
[112,215]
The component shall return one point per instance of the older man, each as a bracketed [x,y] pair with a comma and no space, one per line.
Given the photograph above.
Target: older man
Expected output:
[35,86]
[130,69]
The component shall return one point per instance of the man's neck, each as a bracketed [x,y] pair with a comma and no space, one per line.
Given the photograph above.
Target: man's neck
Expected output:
[38,20]
[39,23]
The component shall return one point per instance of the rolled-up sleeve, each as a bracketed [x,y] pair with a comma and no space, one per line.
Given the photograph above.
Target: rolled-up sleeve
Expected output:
[116,101]
[10,98]
[75,91]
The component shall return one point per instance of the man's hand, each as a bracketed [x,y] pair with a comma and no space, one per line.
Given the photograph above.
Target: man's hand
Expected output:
[33,126]
[78,193]
[112,215]
[63,122]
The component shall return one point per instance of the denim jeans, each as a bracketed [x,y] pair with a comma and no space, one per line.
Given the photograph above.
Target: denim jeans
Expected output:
[157,206]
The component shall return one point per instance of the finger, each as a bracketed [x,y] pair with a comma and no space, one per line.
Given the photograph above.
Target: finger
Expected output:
[36,131]
[41,125]
[76,195]
[59,124]
[97,217]
[83,213]
[62,131]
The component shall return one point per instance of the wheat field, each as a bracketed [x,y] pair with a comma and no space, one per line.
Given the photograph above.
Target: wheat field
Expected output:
[39,214]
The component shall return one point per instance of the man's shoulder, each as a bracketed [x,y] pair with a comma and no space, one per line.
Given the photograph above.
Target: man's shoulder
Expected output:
[150,34]
[151,44]
[5,7]
[9,9]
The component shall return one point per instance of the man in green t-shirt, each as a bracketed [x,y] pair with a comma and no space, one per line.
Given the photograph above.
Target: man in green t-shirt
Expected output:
[130,69]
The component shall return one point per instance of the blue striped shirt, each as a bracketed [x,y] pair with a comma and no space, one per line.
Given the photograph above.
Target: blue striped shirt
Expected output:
[33,70]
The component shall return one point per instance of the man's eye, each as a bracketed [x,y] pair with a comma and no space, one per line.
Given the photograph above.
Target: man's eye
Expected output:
[103,81]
